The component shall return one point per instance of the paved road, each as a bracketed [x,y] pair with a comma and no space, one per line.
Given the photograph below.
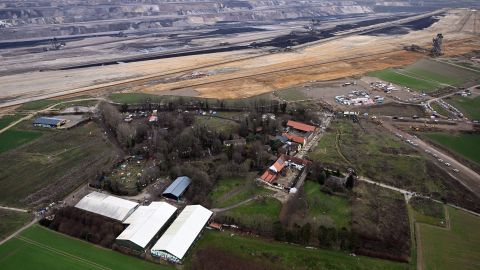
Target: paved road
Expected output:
[466,176]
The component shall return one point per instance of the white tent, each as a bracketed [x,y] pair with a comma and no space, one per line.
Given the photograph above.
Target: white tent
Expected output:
[106,205]
[145,223]
[178,238]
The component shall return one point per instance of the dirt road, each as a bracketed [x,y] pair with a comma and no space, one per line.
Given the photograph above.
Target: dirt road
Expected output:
[466,176]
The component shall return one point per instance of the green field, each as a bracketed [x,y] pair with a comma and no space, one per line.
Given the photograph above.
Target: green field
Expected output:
[234,190]
[428,75]
[8,119]
[53,165]
[428,212]
[470,107]
[215,123]
[415,83]
[291,94]
[10,221]
[265,211]
[287,256]
[13,138]
[467,145]
[458,248]
[40,248]
[439,109]
[324,208]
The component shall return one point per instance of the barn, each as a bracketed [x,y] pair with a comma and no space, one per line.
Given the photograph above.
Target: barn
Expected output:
[145,224]
[180,236]
[50,122]
[177,188]
[107,206]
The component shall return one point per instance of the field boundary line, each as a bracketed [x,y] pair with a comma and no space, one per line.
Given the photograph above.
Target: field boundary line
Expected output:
[62,253]
[455,65]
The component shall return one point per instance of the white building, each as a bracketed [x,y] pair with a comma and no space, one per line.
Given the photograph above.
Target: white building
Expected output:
[179,237]
[145,224]
[106,205]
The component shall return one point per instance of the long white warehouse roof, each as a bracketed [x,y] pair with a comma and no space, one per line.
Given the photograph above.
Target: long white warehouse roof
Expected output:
[184,230]
[106,205]
[146,222]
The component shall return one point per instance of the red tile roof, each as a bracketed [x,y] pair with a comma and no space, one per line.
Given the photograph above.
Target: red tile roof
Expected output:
[294,138]
[268,176]
[300,126]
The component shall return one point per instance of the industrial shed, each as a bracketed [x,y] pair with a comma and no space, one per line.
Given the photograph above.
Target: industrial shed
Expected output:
[179,237]
[177,188]
[145,224]
[106,205]
[50,122]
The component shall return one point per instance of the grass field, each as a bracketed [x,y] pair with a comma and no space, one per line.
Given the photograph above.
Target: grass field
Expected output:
[410,81]
[234,190]
[439,109]
[10,221]
[470,107]
[53,165]
[7,119]
[288,256]
[333,208]
[427,75]
[428,212]
[40,248]
[458,248]
[467,145]
[290,95]
[13,138]
[215,123]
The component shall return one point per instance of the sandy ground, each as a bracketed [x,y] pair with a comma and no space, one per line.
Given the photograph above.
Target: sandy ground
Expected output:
[340,58]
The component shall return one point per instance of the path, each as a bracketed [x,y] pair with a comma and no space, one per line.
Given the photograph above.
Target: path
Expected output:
[14,209]
[31,115]
[218,210]
[20,230]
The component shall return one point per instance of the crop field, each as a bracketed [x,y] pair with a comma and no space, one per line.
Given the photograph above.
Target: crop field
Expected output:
[13,138]
[265,254]
[457,248]
[10,221]
[326,208]
[40,248]
[234,190]
[467,145]
[53,165]
[7,119]
[428,75]
[470,107]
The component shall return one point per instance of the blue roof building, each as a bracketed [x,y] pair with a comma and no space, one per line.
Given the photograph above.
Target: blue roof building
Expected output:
[48,122]
[177,188]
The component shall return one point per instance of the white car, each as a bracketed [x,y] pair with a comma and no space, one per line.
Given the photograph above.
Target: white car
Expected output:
[456,170]
[435,155]
[427,151]
[448,164]
[441,160]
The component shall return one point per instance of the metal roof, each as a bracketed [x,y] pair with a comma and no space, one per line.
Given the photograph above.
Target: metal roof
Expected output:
[178,186]
[47,121]
[300,126]
[106,205]
[146,222]
[184,230]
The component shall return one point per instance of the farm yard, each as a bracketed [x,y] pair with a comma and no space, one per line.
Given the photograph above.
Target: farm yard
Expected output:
[53,165]
[40,247]
[219,250]
[452,248]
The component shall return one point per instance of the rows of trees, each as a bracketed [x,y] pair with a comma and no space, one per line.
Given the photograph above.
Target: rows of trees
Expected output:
[85,225]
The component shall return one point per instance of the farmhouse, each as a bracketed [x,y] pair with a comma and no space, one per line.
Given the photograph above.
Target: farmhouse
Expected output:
[179,237]
[295,138]
[145,224]
[177,188]
[301,127]
[106,205]
[285,171]
[49,122]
